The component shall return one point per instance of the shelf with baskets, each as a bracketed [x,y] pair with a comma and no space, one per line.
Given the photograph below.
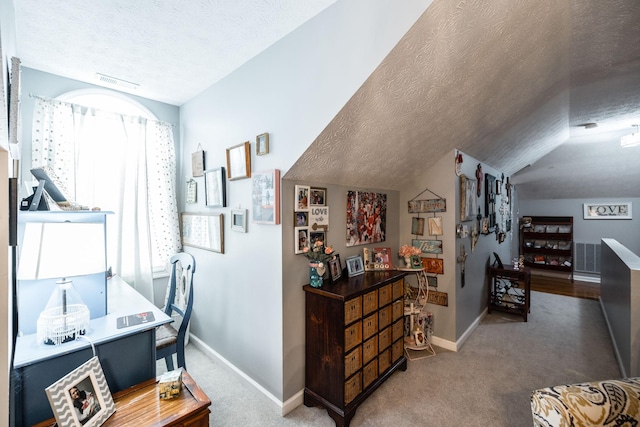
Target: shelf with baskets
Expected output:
[546,243]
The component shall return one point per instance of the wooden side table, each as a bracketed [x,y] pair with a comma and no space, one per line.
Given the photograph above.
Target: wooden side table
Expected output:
[140,405]
[510,290]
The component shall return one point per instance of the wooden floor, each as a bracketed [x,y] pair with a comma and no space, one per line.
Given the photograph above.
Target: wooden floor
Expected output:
[563,286]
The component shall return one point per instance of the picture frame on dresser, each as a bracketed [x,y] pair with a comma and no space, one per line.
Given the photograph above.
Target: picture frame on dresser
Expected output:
[355,266]
[335,268]
[82,397]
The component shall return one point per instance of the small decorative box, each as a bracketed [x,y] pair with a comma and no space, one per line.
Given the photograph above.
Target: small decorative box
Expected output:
[170,384]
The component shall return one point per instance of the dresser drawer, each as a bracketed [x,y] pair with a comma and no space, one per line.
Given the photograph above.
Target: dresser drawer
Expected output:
[369,373]
[384,317]
[353,362]
[369,302]
[398,309]
[384,339]
[385,295]
[352,336]
[352,310]
[398,289]
[397,349]
[384,361]
[370,326]
[370,349]
[352,388]
[397,330]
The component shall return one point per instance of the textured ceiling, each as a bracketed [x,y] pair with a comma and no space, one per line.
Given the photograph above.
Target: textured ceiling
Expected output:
[508,82]
[172,49]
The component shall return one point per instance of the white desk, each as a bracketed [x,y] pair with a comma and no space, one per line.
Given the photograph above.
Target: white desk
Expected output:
[127,355]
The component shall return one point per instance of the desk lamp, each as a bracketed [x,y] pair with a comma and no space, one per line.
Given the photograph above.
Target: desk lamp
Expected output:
[61,251]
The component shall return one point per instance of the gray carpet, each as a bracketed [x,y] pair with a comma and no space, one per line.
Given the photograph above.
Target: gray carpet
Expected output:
[487,383]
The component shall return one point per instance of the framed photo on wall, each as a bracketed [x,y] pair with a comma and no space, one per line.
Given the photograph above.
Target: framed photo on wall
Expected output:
[302,197]
[215,188]
[262,144]
[318,196]
[300,239]
[265,197]
[239,161]
[202,231]
[239,220]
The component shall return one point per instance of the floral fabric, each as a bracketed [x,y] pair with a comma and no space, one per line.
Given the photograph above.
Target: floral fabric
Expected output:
[604,403]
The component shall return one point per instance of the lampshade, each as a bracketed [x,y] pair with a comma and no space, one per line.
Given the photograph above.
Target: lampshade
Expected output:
[54,250]
[62,250]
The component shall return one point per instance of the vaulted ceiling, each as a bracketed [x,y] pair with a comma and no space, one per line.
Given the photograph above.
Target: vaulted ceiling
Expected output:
[509,82]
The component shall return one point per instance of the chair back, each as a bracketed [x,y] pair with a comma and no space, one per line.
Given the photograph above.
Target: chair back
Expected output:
[179,298]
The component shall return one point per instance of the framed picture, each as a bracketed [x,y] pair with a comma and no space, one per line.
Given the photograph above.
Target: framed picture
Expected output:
[433,265]
[355,266]
[335,268]
[215,188]
[428,246]
[82,397]
[301,239]
[315,236]
[432,281]
[239,220]
[417,226]
[202,231]
[377,259]
[607,210]
[301,218]
[239,161]
[319,217]
[366,218]
[318,196]
[262,144]
[302,197]
[435,226]
[416,262]
[265,197]
[468,189]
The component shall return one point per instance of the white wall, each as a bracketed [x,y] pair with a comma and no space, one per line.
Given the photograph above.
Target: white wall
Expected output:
[291,91]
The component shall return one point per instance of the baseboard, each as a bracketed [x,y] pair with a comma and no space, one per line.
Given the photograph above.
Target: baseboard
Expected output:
[285,407]
[586,278]
[455,346]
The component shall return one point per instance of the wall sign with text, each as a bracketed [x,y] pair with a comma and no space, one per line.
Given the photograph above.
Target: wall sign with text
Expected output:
[607,210]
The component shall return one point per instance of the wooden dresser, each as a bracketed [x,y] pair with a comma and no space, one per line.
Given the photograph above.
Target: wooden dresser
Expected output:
[354,340]
[140,405]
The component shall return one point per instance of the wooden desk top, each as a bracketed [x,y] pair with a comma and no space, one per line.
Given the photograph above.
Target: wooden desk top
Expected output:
[140,405]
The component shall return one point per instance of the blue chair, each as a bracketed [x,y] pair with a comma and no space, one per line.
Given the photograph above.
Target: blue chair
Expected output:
[170,340]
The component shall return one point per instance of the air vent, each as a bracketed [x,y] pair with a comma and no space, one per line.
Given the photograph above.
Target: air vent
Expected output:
[116,82]
[587,257]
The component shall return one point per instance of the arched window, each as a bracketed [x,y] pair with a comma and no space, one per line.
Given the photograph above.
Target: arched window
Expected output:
[111,152]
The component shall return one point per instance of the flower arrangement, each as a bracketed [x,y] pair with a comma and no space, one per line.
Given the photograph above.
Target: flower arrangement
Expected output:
[406,251]
[318,252]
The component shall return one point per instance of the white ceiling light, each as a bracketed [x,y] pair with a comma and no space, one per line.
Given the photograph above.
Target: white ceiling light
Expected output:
[632,139]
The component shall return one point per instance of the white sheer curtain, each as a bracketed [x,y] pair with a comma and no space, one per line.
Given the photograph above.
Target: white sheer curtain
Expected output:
[122,164]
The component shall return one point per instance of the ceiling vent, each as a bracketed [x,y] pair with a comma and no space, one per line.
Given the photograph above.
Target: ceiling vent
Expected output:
[112,81]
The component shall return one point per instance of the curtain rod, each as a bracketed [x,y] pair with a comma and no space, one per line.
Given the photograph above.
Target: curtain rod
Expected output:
[45,98]
[423,191]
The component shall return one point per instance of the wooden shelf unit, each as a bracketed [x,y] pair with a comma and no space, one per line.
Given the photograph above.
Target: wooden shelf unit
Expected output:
[547,244]
[354,340]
